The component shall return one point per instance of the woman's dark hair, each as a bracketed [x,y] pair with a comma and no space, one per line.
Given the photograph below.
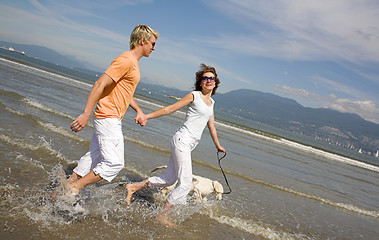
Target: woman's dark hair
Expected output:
[199,74]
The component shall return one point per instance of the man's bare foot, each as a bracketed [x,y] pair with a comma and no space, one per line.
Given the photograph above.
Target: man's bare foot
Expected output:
[162,219]
[64,187]
[61,190]
[54,195]
[66,192]
[73,189]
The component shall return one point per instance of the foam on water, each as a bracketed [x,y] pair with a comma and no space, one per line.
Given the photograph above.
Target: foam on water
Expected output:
[32,161]
[46,73]
[23,144]
[11,110]
[105,203]
[282,141]
[258,229]
[40,106]
[304,148]
[61,131]
[344,206]
[145,144]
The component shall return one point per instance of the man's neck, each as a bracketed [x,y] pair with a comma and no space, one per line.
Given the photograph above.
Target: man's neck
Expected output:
[136,53]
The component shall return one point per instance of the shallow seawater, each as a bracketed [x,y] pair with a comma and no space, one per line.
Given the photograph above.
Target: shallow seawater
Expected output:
[280,190]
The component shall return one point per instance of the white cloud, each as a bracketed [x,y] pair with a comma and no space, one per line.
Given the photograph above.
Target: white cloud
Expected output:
[365,109]
[81,40]
[306,29]
[297,92]
[340,87]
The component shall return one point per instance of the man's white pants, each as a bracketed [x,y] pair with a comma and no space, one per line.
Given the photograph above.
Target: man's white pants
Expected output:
[106,153]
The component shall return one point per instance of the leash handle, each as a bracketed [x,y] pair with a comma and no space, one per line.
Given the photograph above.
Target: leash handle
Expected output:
[222,170]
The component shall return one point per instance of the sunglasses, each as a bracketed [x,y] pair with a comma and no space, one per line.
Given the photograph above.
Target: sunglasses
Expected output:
[153,43]
[205,78]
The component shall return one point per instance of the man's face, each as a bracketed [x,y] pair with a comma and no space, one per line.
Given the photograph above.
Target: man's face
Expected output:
[149,46]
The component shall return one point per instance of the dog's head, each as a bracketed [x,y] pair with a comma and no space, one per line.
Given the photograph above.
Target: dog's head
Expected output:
[164,190]
[218,190]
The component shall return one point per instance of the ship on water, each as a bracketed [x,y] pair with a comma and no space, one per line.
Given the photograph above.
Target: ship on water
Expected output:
[13,50]
[173,97]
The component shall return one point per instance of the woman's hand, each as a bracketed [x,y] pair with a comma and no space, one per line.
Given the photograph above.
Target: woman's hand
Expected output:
[220,149]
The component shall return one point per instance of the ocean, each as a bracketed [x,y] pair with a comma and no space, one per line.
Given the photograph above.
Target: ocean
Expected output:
[281,189]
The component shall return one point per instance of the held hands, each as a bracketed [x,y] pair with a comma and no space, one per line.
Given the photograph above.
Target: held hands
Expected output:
[79,123]
[140,119]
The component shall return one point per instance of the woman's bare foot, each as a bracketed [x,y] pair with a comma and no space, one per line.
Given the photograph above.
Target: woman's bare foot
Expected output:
[134,187]
[130,190]
[162,216]
[162,219]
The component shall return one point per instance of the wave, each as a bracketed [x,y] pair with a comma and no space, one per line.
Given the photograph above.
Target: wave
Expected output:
[61,131]
[46,73]
[301,147]
[23,144]
[145,144]
[32,161]
[343,206]
[328,155]
[45,108]
[10,94]
[31,102]
[13,111]
[43,124]
[254,228]
[277,140]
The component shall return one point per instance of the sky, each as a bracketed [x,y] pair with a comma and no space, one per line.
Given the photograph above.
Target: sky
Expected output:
[323,54]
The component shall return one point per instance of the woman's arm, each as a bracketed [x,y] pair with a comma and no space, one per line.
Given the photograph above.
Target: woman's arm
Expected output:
[172,108]
[213,132]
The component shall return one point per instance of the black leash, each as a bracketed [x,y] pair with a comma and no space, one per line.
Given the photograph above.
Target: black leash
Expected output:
[222,170]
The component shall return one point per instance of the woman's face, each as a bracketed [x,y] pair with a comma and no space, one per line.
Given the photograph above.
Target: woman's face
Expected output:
[208,81]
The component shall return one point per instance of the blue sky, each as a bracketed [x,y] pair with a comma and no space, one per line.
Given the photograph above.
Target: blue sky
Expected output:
[320,53]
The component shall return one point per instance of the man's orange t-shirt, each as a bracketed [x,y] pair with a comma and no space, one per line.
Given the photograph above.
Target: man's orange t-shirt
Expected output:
[116,98]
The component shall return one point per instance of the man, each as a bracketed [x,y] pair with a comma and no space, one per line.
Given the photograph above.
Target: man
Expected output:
[112,93]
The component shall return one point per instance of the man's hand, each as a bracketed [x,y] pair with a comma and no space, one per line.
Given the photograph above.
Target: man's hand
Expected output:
[140,119]
[79,123]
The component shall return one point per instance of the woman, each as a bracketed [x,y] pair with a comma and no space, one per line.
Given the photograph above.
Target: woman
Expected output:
[199,114]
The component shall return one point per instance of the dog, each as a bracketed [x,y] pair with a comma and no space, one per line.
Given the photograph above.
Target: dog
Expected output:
[201,187]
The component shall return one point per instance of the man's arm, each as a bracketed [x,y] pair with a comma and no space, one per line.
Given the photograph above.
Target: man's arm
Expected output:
[94,95]
[140,117]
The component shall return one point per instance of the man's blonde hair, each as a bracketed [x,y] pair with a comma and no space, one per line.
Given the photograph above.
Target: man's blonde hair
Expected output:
[141,32]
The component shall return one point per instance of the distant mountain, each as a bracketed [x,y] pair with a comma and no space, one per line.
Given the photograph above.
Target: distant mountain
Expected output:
[49,55]
[345,129]
[329,125]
